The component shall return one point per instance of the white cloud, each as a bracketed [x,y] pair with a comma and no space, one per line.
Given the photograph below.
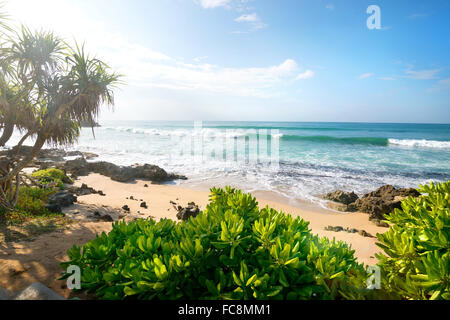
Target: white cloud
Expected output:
[151,76]
[305,75]
[441,85]
[254,20]
[249,81]
[210,4]
[330,6]
[387,78]
[421,74]
[366,75]
[248,18]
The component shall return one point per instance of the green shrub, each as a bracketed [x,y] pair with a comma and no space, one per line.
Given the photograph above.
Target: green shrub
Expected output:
[416,264]
[32,200]
[53,177]
[232,250]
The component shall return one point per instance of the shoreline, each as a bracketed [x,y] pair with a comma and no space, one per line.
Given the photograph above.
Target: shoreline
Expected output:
[23,263]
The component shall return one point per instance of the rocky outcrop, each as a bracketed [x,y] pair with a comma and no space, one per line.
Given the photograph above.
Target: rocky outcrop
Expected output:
[382,201]
[341,197]
[363,233]
[47,157]
[60,200]
[84,190]
[192,210]
[89,124]
[80,167]
[377,203]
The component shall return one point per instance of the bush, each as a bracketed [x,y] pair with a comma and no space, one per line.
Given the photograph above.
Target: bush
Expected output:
[32,200]
[52,177]
[232,250]
[416,264]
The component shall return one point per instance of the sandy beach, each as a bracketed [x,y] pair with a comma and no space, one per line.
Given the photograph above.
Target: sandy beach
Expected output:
[26,262]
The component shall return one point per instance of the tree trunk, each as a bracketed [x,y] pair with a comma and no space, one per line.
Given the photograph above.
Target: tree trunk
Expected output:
[40,141]
[7,133]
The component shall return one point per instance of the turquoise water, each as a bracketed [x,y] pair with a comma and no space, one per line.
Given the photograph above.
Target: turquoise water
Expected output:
[313,157]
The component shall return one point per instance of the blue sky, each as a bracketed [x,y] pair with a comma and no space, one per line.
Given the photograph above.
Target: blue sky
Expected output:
[263,59]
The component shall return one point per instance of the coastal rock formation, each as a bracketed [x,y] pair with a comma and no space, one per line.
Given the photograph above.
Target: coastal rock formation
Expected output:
[376,203]
[84,190]
[192,210]
[46,157]
[80,167]
[363,233]
[382,201]
[60,200]
[341,197]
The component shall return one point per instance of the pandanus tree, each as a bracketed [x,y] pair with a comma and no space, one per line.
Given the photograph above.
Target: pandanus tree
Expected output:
[47,89]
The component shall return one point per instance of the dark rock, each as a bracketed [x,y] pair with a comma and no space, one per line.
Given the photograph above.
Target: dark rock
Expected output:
[62,199]
[364,233]
[390,192]
[334,228]
[89,155]
[80,167]
[106,218]
[349,230]
[192,210]
[144,205]
[341,197]
[382,201]
[53,208]
[126,208]
[89,124]
[379,223]
[145,185]
[338,206]
[131,197]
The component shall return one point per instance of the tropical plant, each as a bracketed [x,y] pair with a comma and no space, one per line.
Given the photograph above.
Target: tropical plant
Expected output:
[232,250]
[47,89]
[52,177]
[416,263]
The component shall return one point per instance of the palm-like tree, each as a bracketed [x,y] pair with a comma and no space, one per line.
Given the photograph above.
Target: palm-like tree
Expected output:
[47,89]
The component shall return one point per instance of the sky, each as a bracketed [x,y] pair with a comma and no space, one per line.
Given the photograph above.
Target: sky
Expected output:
[262,60]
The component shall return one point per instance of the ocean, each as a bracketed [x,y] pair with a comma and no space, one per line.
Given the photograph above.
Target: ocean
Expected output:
[313,157]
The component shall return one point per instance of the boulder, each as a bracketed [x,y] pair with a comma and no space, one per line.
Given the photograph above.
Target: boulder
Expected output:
[85,190]
[80,167]
[341,197]
[382,201]
[53,208]
[62,199]
[192,210]
[106,218]
[144,205]
[37,291]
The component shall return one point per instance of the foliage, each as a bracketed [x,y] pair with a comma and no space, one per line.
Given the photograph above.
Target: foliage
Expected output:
[47,89]
[32,200]
[52,176]
[416,264]
[232,250]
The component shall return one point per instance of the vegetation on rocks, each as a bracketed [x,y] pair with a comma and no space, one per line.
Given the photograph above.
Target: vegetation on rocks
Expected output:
[416,259]
[232,250]
[52,178]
